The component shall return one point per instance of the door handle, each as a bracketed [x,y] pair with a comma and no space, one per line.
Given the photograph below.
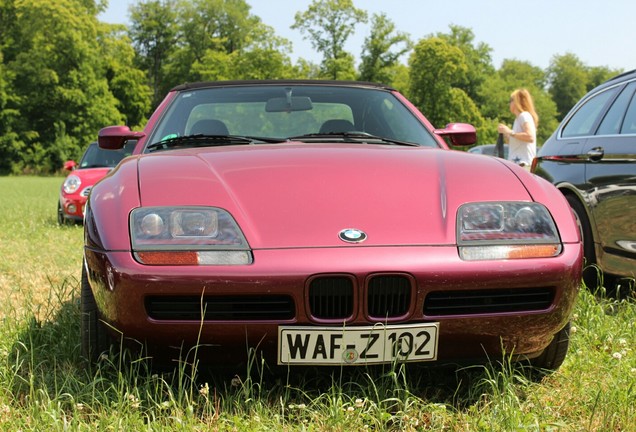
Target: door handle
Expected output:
[596,154]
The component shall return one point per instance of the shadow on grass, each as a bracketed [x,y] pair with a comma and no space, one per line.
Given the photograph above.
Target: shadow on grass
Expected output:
[605,286]
[45,362]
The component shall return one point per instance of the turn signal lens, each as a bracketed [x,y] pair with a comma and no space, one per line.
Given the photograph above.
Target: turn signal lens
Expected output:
[476,253]
[195,258]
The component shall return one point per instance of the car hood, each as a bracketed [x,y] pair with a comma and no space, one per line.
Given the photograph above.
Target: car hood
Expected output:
[300,195]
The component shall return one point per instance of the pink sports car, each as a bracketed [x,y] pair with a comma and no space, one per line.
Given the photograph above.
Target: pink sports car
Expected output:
[322,223]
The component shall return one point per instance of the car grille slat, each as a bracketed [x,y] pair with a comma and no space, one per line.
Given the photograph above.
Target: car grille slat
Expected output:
[389,296]
[331,297]
[222,308]
[487,301]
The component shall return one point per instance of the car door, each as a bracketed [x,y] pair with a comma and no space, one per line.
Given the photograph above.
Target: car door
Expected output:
[610,173]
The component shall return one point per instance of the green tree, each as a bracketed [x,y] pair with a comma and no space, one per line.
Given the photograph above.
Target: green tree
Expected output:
[477,56]
[339,68]
[401,78]
[220,39]
[126,82]
[265,56]
[55,72]
[437,69]
[382,50]
[153,31]
[305,69]
[225,25]
[11,145]
[597,75]
[11,142]
[569,81]
[328,24]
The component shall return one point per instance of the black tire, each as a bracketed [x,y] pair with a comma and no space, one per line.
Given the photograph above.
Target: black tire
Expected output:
[60,215]
[553,356]
[593,276]
[591,273]
[94,336]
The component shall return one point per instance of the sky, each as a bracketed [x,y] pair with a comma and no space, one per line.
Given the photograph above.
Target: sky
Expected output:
[599,33]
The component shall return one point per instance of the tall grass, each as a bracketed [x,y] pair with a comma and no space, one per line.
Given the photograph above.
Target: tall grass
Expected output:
[45,385]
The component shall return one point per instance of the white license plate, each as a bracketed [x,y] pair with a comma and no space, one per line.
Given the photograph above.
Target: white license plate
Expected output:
[357,345]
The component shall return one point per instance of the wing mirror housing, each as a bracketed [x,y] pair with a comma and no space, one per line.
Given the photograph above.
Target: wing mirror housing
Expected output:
[458,134]
[114,137]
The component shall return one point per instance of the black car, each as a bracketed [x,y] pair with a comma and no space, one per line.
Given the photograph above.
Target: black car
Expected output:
[591,158]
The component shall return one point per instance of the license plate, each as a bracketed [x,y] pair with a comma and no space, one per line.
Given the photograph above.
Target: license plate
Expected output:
[357,345]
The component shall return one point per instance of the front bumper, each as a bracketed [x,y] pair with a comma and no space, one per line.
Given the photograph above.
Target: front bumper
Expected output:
[231,309]
[73,207]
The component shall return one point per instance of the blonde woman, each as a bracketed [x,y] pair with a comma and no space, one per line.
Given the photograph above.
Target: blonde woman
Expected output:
[522,138]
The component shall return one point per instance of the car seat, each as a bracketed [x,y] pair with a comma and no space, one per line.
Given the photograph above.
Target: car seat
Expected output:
[337,125]
[209,127]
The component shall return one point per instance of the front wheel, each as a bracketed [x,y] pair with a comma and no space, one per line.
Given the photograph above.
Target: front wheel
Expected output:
[553,356]
[60,214]
[94,337]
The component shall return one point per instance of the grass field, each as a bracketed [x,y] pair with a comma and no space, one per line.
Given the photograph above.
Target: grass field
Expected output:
[45,385]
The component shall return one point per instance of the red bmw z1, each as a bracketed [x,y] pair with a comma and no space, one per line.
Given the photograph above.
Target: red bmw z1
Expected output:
[322,223]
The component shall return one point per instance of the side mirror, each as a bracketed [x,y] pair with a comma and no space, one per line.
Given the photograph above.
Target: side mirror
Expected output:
[70,165]
[114,137]
[459,134]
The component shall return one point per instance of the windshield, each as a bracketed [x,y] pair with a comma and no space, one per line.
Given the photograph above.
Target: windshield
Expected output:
[280,112]
[96,157]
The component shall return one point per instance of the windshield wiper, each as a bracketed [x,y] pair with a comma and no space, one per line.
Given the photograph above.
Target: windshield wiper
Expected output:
[352,137]
[200,140]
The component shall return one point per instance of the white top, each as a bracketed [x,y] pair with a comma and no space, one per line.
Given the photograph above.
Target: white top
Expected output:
[521,151]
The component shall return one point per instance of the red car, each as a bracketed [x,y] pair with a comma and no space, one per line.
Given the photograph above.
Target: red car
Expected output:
[94,165]
[322,223]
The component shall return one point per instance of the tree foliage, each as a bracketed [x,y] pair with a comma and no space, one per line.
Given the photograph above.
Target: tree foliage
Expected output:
[382,50]
[64,74]
[153,31]
[437,72]
[55,72]
[328,24]
[185,41]
[477,57]
[568,81]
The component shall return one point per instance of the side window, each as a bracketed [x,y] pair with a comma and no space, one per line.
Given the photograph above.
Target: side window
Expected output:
[611,124]
[582,122]
[629,123]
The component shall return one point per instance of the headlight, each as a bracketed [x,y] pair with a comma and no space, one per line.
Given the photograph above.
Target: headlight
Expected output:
[506,230]
[187,236]
[71,184]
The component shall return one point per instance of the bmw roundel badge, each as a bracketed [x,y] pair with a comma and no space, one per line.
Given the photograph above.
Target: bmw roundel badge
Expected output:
[352,235]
